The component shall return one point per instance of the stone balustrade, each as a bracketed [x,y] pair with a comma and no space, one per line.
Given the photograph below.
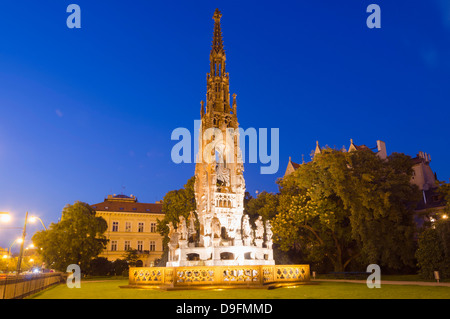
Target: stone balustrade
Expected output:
[218,276]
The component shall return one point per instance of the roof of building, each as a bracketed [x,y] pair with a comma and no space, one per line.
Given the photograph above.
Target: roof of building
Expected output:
[295,165]
[124,203]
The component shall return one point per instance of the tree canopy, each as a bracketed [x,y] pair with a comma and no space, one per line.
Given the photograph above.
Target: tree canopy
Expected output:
[76,239]
[176,203]
[347,205]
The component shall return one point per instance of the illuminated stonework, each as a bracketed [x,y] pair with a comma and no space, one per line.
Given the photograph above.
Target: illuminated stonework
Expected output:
[218,276]
[226,236]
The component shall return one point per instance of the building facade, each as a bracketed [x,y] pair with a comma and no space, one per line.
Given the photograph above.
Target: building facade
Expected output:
[131,226]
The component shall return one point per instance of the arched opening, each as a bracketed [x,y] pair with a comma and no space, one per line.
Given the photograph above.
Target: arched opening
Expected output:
[139,263]
[192,257]
[226,256]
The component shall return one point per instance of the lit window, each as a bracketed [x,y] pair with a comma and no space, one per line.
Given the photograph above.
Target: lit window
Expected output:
[128,226]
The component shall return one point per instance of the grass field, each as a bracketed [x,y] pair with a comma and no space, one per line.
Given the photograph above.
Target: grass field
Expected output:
[109,289]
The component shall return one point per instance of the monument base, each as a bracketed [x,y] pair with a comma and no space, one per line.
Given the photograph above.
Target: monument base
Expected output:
[214,277]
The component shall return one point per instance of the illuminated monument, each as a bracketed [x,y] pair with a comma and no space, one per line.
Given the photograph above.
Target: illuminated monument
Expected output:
[225,251]
[226,236]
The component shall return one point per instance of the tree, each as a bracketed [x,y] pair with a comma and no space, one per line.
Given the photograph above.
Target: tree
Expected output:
[350,205]
[176,203]
[76,239]
[131,256]
[433,253]
[265,205]
[317,229]
[100,266]
[120,267]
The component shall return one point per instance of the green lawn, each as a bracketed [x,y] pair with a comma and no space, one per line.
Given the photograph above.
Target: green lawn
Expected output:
[109,289]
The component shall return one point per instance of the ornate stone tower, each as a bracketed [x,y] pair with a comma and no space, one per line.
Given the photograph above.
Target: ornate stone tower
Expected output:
[225,236]
[220,185]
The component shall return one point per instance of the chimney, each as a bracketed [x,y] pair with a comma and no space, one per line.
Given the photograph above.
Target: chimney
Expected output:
[381,146]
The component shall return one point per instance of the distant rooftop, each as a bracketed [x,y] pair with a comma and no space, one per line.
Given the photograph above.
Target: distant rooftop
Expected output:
[130,204]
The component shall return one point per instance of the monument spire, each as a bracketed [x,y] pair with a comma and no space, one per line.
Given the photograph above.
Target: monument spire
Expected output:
[217,45]
[218,96]
[225,235]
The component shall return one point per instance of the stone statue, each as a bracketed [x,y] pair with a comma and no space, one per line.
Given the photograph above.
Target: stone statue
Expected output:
[232,225]
[269,232]
[215,224]
[247,232]
[259,228]
[223,174]
[191,229]
[183,228]
[173,235]
[207,225]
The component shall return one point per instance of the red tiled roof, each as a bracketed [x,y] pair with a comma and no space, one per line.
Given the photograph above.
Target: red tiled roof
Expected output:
[131,207]
[295,165]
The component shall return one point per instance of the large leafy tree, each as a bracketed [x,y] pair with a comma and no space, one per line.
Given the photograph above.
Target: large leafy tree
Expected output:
[76,239]
[176,203]
[347,205]
[265,205]
[433,253]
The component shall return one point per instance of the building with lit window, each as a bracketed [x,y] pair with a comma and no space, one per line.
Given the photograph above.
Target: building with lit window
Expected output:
[131,225]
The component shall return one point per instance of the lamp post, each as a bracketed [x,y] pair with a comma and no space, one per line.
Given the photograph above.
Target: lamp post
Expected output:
[24,233]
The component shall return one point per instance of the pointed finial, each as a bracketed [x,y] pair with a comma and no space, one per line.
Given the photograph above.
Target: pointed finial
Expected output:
[217,15]
[217,45]
[202,110]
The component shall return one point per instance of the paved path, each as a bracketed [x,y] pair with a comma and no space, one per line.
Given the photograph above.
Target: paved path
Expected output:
[390,282]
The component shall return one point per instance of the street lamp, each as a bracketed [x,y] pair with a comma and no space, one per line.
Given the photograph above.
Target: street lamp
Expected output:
[19,240]
[34,218]
[5,217]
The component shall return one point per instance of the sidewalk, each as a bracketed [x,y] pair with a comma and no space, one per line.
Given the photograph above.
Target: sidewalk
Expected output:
[389,282]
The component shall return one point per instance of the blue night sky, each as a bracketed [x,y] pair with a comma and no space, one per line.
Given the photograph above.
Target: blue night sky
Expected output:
[89,112]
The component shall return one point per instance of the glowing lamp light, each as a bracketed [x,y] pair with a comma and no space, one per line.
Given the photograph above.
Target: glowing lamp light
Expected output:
[5,217]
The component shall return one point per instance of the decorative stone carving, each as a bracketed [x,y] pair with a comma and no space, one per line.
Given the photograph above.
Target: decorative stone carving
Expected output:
[269,235]
[215,224]
[183,228]
[226,235]
[259,232]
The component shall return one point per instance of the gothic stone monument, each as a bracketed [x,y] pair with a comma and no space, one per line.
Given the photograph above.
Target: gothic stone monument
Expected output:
[226,236]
